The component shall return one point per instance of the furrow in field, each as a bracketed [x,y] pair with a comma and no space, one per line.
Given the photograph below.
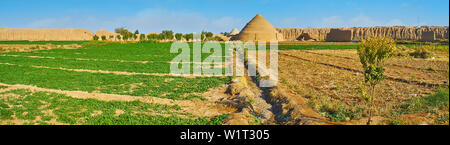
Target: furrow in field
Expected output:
[430,79]
[313,80]
[172,87]
[355,58]
[118,72]
[195,107]
[112,60]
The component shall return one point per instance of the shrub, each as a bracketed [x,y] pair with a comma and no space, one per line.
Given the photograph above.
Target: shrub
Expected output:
[372,54]
[122,31]
[178,36]
[217,38]
[189,36]
[95,37]
[142,37]
[118,37]
[421,52]
[103,37]
[167,34]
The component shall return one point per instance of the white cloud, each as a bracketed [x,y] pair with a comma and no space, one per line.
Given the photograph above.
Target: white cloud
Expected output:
[148,20]
[362,20]
[395,22]
[226,23]
[49,22]
[332,21]
[287,23]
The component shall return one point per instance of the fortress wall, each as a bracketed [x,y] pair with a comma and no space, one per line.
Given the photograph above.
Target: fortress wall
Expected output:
[397,32]
[36,34]
[339,35]
[428,36]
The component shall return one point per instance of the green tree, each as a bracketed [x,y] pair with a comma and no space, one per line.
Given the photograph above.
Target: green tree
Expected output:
[95,37]
[103,37]
[372,54]
[136,32]
[225,34]
[209,34]
[122,31]
[118,37]
[189,36]
[217,38]
[111,37]
[178,36]
[142,37]
[167,35]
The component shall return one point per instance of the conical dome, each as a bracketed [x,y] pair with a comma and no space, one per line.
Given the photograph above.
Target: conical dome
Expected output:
[235,31]
[258,29]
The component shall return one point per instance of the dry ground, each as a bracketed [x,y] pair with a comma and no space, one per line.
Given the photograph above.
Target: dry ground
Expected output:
[333,78]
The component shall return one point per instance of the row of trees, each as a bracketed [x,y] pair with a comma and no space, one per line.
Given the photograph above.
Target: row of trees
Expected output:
[125,34]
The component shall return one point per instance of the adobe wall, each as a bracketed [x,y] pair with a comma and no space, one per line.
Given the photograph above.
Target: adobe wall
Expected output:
[339,35]
[37,34]
[428,36]
[359,33]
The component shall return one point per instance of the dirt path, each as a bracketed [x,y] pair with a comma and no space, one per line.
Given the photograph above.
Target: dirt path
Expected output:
[196,107]
[34,47]
[117,72]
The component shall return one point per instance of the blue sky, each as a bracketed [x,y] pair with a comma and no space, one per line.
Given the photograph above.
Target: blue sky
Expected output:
[218,15]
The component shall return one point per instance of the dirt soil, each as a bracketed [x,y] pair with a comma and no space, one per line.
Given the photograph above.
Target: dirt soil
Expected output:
[33,47]
[338,74]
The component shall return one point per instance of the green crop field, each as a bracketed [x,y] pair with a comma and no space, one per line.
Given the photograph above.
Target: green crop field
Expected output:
[56,69]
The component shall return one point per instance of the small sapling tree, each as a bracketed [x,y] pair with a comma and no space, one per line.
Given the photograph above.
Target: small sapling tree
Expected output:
[372,54]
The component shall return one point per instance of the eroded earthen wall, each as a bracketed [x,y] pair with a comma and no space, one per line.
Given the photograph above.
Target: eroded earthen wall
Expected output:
[36,34]
[339,35]
[359,33]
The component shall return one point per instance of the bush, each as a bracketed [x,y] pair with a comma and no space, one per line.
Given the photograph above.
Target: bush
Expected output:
[122,31]
[95,37]
[178,36]
[142,37]
[189,36]
[103,37]
[217,38]
[167,34]
[421,52]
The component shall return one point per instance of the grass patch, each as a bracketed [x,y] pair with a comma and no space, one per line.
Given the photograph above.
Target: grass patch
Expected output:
[134,85]
[336,110]
[443,119]
[432,103]
[31,105]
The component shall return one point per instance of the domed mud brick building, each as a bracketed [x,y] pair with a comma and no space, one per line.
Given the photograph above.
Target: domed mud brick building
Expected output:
[259,29]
